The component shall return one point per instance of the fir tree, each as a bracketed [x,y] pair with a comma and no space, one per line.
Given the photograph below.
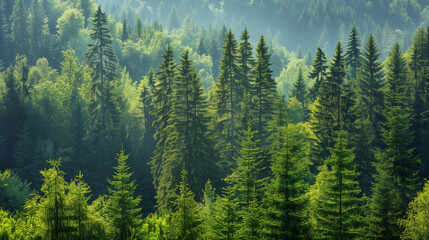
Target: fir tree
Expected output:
[79,198]
[38,31]
[264,92]
[246,177]
[353,53]
[337,210]
[162,110]
[228,98]
[396,91]
[226,218]
[383,206]
[19,28]
[299,90]
[125,34]
[245,61]
[371,85]
[318,73]
[285,197]
[122,205]
[186,223]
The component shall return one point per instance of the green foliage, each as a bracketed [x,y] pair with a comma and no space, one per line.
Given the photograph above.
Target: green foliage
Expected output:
[185,221]
[14,192]
[299,90]
[69,24]
[353,53]
[337,208]
[285,200]
[416,224]
[121,204]
[318,73]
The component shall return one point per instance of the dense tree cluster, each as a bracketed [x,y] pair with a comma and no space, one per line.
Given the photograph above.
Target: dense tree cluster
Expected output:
[230,158]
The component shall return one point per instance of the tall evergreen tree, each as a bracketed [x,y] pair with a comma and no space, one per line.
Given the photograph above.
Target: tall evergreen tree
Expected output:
[86,6]
[19,28]
[173,19]
[285,197]
[163,93]
[226,219]
[228,98]
[371,85]
[245,61]
[185,221]
[337,208]
[246,177]
[353,53]
[78,191]
[318,73]
[4,35]
[299,90]
[125,34]
[122,205]
[264,92]
[397,92]
[38,31]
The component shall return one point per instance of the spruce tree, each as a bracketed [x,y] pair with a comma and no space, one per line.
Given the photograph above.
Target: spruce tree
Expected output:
[125,34]
[264,92]
[228,96]
[317,73]
[163,92]
[337,210]
[383,205]
[19,28]
[396,91]
[246,177]
[285,200]
[245,61]
[38,31]
[78,192]
[226,221]
[185,221]
[122,205]
[353,53]
[371,85]
[299,90]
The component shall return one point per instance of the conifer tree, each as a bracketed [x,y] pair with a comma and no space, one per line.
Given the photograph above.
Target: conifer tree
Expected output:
[228,98]
[371,85]
[19,28]
[138,30]
[397,91]
[102,59]
[264,91]
[163,92]
[318,73]
[383,205]
[337,208]
[38,31]
[226,219]
[79,198]
[246,177]
[201,49]
[173,19]
[353,53]
[122,205]
[299,90]
[125,34]
[285,197]
[86,6]
[4,35]
[245,61]
[250,227]
[186,222]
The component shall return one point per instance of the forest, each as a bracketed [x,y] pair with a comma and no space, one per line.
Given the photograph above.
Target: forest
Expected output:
[132,119]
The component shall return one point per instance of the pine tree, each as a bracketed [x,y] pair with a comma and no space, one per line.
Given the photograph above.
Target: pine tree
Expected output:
[353,53]
[299,90]
[285,197]
[250,227]
[185,221]
[19,28]
[228,95]
[163,93]
[246,177]
[371,86]
[337,208]
[264,92]
[318,73]
[122,205]
[38,31]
